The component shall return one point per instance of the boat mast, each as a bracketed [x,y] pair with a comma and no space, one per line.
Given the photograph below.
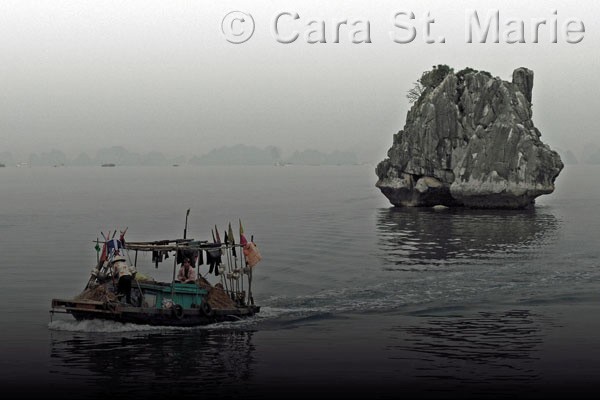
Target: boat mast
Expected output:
[186,220]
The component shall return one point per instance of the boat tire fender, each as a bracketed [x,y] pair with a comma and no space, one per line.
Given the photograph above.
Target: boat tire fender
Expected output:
[178,311]
[207,309]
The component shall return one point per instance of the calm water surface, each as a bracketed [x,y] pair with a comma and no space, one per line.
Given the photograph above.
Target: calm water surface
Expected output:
[357,297]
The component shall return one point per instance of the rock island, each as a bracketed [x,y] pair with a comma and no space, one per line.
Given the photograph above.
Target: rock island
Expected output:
[469,140]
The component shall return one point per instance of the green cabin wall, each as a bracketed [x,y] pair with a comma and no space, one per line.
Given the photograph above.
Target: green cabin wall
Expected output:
[184,294]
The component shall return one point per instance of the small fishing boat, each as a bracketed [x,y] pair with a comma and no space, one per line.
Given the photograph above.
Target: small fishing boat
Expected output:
[108,165]
[174,303]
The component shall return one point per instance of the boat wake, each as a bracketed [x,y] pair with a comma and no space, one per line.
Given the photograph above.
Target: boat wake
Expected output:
[374,298]
[105,326]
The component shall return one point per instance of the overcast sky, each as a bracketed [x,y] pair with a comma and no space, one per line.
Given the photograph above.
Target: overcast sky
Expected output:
[160,75]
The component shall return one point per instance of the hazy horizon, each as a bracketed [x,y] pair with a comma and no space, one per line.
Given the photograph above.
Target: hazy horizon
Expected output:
[588,154]
[158,75]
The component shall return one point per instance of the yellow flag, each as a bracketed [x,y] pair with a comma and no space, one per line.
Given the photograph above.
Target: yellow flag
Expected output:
[230,234]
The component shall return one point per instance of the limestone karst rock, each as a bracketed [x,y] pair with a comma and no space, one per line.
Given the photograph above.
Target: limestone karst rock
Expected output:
[469,140]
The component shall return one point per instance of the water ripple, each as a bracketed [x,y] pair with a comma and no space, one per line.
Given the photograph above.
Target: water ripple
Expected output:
[487,346]
[409,236]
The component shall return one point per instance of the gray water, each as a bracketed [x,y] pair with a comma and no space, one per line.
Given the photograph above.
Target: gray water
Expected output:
[358,298]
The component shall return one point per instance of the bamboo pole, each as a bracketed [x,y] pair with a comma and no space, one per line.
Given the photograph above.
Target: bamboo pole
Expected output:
[225,254]
[235,269]
[250,298]
[98,267]
[230,260]
[174,268]
[242,263]
[187,214]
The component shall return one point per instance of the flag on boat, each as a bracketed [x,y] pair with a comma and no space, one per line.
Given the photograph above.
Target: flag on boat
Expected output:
[114,245]
[231,240]
[230,234]
[218,236]
[252,254]
[122,236]
[104,253]
[243,240]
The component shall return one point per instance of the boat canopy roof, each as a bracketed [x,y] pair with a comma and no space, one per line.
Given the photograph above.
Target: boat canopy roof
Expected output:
[175,244]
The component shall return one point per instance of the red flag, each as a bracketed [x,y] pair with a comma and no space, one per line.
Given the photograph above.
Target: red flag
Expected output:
[104,254]
[243,240]
[122,237]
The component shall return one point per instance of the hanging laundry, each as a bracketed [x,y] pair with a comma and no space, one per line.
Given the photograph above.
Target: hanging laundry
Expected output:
[157,257]
[213,258]
[183,254]
[199,254]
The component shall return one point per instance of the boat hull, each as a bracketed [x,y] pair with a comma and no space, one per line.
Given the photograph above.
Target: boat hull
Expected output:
[92,310]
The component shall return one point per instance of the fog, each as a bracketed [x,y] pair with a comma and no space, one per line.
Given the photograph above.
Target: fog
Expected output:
[160,75]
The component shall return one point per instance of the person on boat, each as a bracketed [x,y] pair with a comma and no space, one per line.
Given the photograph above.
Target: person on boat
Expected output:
[124,275]
[186,273]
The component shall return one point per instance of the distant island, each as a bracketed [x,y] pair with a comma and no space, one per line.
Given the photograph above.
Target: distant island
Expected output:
[249,155]
[314,157]
[568,157]
[239,154]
